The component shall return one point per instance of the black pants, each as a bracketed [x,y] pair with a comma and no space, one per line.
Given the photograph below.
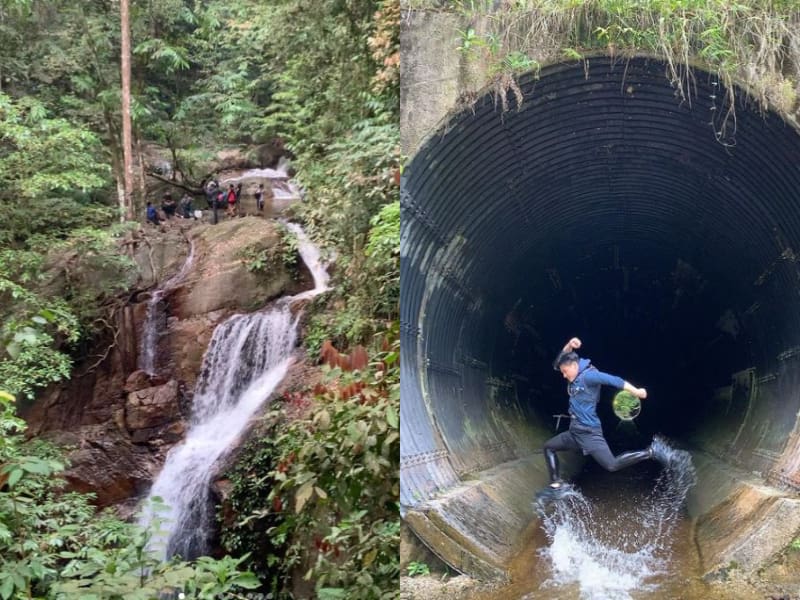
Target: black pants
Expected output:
[590,441]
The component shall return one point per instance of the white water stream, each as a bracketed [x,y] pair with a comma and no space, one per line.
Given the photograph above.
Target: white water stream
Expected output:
[247,358]
[152,324]
[613,557]
[283,188]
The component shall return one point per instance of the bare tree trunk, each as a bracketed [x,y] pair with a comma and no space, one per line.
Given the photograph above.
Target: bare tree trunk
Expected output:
[127,146]
[139,205]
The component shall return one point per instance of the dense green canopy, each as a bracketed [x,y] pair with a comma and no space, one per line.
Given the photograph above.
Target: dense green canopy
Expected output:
[320,77]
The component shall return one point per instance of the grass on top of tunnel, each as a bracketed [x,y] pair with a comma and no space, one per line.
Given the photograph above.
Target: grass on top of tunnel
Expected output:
[751,43]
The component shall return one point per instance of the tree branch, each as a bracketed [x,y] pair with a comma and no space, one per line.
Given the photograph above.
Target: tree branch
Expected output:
[197,191]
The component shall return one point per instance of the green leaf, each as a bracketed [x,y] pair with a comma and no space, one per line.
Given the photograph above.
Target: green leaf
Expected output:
[34,465]
[6,587]
[331,593]
[48,315]
[13,350]
[19,580]
[303,495]
[369,558]
[26,335]
[247,581]
[14,478]
[391,417]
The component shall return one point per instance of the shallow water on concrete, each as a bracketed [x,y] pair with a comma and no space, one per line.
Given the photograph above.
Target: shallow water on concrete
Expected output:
[667,569]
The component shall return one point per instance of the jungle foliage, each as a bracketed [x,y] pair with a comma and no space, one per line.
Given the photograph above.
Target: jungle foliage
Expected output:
[53,544]
[317,497]
[321,77]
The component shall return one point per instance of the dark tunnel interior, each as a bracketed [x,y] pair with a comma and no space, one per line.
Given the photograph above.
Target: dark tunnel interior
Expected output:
[659,230]
[657,323]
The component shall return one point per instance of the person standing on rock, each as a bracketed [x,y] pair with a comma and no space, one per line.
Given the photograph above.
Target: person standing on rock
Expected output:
[585,432]
[260,197]
[231,198]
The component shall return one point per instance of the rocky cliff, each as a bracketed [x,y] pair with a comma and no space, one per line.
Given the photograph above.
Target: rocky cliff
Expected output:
[120,421]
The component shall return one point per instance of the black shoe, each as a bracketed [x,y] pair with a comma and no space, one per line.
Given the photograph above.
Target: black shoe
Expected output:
[548,495]
[660,450]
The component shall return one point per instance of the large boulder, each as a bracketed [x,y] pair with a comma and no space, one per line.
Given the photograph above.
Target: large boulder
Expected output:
[152,407]
[160,253]
[220,278]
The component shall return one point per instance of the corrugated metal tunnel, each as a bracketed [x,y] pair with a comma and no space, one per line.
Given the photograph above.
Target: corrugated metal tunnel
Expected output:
[661,232]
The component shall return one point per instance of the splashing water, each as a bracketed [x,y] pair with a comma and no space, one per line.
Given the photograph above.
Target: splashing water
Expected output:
[608,558]
[247,358]
[155,312]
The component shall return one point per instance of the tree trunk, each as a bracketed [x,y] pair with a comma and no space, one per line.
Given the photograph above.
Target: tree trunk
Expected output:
[139,205]
[127,146]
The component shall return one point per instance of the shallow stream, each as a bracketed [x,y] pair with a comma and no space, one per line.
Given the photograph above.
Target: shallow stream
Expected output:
[607,548]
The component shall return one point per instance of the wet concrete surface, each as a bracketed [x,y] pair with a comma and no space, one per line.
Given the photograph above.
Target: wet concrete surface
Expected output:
[614,497]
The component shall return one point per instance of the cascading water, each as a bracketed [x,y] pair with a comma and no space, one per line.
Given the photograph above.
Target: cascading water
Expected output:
[282,186]
[608,558]
[247,358]
[152,323]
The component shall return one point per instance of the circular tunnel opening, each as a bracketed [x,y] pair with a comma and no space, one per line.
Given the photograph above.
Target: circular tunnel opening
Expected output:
[660,230]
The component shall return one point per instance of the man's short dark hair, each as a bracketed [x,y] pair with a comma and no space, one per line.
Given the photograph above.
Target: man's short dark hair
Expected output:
[564,358]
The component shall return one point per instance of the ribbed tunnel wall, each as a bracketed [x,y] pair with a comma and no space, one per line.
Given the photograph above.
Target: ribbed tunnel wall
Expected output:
[662,234]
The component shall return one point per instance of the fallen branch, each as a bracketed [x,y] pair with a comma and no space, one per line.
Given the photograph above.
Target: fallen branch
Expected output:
[197,191]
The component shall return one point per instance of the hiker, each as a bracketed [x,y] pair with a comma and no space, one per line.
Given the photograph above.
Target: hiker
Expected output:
[585,432]
[168,205]
[260,197]
[211,190]
[187,211]
[216,204]
[231,198]
[238,192]
[152,214]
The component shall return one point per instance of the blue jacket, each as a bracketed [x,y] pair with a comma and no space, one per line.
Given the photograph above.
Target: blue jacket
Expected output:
[584,392]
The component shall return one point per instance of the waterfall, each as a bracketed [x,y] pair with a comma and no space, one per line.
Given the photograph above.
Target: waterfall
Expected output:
[612,557]
[155,313]
[283,188]
[247,358]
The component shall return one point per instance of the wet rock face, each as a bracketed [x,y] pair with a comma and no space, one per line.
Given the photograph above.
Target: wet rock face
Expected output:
[106,462]
[157,256]
[220,278]
[120,422]
[218,285]
[152,407]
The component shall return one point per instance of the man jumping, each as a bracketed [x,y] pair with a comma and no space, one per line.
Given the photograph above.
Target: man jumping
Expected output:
[585,432]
